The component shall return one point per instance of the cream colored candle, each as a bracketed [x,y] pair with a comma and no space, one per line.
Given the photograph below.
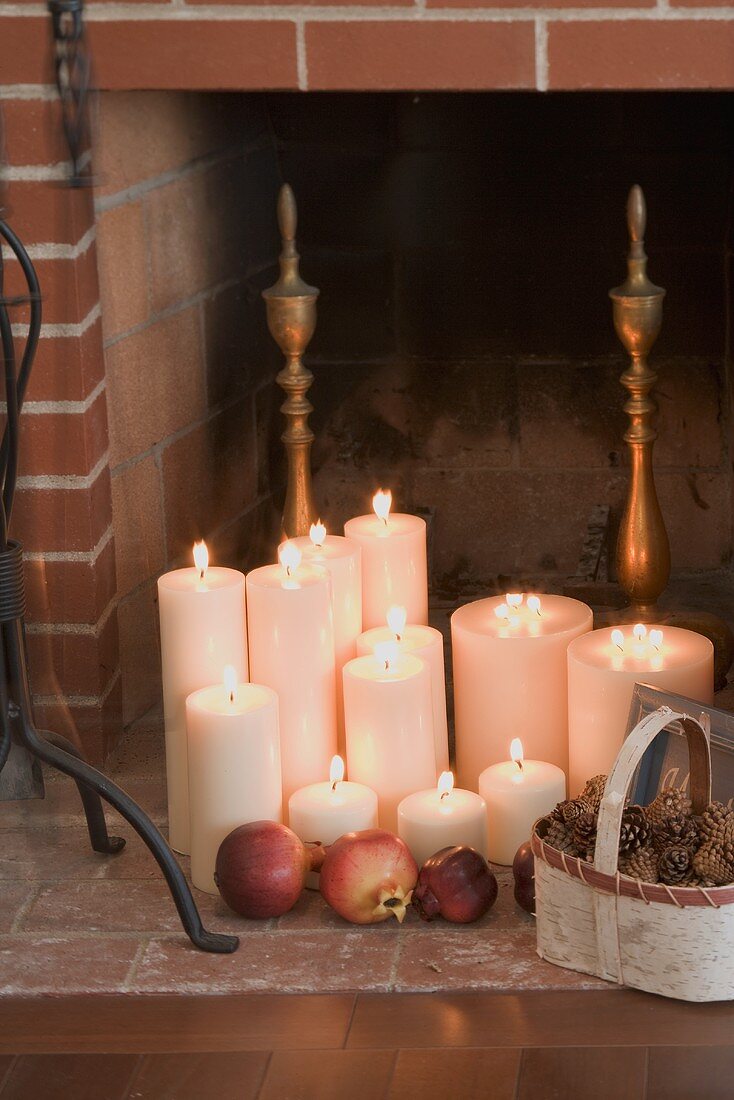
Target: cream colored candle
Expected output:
[394,569]
[322,812]
[441,818]
[234,766]
[389,718]
[427,643]
[342,559]
[510,678]
[603,668]
[203,628]
[291,639]
[517,793]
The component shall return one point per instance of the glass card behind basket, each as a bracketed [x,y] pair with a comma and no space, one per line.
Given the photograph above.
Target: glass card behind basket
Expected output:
[665,764]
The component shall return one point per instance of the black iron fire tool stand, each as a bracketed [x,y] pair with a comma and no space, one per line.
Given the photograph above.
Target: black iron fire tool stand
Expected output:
[17,729]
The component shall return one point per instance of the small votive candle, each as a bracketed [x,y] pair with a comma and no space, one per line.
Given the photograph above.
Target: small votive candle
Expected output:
[441,818]
[517,793]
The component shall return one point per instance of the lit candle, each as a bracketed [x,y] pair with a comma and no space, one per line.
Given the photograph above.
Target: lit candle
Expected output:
[322,812]
[394,569]
[442,817]
[203,628]
[234,766]
[342,558]
[291,636]
[603,668]
[510,674]
[427,643]
[517,793]
[389,718]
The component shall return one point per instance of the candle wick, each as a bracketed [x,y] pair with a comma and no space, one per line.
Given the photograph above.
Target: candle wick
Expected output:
[387,666]
[444,794]
[384,520]
[201,574]
[398,638]
[519,764]
[231,697]
[287,570]
[333,785]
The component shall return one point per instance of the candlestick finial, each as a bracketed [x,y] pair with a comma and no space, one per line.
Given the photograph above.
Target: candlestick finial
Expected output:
[291,311]
[643,551]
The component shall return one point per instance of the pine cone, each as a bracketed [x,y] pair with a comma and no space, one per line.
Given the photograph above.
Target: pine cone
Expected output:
[675,866]
[593,792]
[559,836]
[674,831]
[636,831]
[714,820]
[584,835]
[567,811]
[642,864]
[667,803]
[710,864]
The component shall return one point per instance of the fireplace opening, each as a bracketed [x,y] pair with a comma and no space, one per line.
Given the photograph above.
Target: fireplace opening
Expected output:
[464,245]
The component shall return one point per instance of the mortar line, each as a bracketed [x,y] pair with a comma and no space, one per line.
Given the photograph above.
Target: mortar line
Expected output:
[25,908]
[87,630]
[87,556]
[154,183]
[301,58]
[541,54]
[136,960]
[68,408]
[171,311]
[81,701]
[218,13]
[65,481]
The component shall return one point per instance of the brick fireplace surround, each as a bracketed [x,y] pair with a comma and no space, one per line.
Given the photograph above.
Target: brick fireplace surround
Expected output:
[112,433]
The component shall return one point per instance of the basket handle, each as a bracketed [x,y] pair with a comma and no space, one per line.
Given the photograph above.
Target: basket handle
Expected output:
[620,778]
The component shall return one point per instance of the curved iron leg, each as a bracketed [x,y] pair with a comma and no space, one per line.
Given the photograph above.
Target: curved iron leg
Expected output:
[96,823]
[86,775]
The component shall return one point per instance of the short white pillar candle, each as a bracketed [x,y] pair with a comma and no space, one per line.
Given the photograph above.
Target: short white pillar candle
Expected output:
[442,817]
[517,793]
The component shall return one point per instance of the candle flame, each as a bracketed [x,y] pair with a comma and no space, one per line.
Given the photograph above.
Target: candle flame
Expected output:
[516,752]
[396,620]
[639,630]
[201,558]
[445,784]
[533,603]
[656,639]
[381,502]
[290,557]
[336,771]
[317,534]
[387,654]
[514,599]
[618,639]
[502,611]
[230,681]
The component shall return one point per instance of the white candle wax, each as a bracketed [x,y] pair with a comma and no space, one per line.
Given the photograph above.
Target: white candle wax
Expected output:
[510,675]
[291,639]
[389,719]
[427,643]
[203,628]
[342,559]
[322,812]
[442,817]
[394,569]
[601,678]
[516,797]
[234,768]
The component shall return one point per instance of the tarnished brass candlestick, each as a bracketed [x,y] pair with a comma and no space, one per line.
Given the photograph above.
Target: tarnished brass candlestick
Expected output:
[643,551]
[291,309]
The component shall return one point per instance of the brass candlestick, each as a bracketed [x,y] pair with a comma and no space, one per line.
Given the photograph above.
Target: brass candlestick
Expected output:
[291,310]
[643,551]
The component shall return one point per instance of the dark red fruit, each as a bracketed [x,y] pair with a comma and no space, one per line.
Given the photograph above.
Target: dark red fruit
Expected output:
[261,869]
[523,869]
[456,884]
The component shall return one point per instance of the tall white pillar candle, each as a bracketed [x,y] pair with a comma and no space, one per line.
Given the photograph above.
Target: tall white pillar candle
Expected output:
[322,812]
[389,719]
[517,793]
[234,767]
[394,568]
[603,668]
[291,640]
[342,559]
[510,678]
[203,628]
[441,818]
[427,643]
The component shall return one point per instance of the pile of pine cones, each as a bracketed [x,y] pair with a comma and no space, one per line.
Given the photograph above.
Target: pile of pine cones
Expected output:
[661,842]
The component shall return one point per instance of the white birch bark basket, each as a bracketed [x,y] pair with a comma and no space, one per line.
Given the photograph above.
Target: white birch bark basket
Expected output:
[676,941]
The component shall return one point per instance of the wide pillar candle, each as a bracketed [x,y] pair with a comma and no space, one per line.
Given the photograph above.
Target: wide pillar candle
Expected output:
[203,628]
[517,793]
[394,568]
[291,639]
[342,559]
[427,643]
[603,668]
[234,767]
[510,678]
[389,719]
[442,817]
